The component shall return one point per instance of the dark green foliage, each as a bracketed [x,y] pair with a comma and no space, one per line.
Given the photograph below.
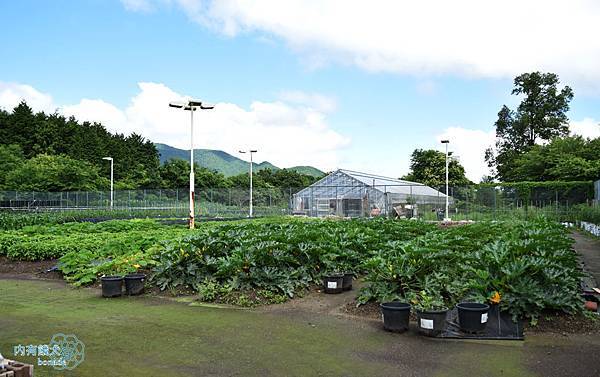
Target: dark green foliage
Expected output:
[563,159]
[18,220]
[136,159]
[175,173]
[287,178]
[39,242]
[55,173]
[283,256]
[531,265]
[541,116]
[52,153]
[11,159]
[429,167]
[585,212]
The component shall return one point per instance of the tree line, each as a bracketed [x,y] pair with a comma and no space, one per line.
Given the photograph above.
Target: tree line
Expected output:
[49,152]
[533,142]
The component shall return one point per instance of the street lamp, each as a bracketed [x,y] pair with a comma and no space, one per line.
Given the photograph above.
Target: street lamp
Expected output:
[191,106]
[446,142]
[111,179]
[250,151]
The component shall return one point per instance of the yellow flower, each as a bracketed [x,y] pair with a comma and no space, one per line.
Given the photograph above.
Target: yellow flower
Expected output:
[495,299]
[136,265]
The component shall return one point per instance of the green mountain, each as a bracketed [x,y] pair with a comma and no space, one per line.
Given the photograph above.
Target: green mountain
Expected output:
[308,170]
[224,162]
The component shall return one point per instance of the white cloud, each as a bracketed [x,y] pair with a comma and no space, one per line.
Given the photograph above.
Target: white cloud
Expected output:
[11,94]
[466,37]
[469,146]
[96,110]
[587,127]
[286,133]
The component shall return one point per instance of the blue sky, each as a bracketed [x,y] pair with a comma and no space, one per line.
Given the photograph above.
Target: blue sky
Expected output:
[298,82]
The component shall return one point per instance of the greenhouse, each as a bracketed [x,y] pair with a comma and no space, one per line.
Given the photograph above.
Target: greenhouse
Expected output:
[349,193]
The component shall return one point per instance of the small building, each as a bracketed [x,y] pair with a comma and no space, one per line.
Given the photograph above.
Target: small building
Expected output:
[348,193]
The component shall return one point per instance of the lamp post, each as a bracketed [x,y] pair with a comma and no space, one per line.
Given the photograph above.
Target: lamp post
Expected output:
[250,151]
[111,179]
[446,142]
[191,106]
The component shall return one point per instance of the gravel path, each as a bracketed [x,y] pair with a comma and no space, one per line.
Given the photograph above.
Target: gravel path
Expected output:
[589,250]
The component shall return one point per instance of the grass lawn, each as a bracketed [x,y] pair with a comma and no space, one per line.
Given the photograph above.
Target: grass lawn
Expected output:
[148,336]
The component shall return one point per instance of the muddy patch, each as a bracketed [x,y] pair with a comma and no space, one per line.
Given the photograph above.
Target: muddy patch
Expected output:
[25,269]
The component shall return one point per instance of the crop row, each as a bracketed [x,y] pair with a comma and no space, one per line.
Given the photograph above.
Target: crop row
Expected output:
[525,266]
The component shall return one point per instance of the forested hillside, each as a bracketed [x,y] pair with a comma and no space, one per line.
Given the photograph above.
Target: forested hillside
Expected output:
[49,152]
[225,163]
[135,158]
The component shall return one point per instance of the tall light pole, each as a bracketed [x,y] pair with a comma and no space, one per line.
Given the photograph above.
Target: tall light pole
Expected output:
[191,106]
[446,142]
[250,151]
[111,179]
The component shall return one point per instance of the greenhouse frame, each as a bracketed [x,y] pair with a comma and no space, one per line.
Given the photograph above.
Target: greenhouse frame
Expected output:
[347,193]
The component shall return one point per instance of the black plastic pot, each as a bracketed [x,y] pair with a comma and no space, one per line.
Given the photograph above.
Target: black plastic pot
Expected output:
[333,283]
[347,283]
[395,316]
[112,286]
[431,322]
[134,284]
[472,316]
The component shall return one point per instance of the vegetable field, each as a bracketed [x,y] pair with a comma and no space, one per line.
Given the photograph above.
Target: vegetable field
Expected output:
[525,267]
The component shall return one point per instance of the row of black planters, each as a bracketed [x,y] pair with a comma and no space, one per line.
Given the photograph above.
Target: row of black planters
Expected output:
[472,318]
[112,286]
[337,283]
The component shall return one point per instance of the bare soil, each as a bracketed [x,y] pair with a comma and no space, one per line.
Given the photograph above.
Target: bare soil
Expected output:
[588,249]
[28,270]
[369,310]
[563,323]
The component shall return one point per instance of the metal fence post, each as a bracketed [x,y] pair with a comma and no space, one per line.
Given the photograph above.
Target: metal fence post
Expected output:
[467,203]
[556,203]
[495,202]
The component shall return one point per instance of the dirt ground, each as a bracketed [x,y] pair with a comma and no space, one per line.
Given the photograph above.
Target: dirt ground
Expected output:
[589,250]
[28,270]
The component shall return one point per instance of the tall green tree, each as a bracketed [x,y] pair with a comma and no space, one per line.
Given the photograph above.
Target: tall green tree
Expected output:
[55,173]
[541,116]
[285,178]
[136,160]
[428,166]
[175,173]
[11,159]
[563,159]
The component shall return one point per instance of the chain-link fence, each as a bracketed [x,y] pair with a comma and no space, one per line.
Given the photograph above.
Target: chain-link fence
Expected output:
[477,202]
[217,202]
[597,191]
